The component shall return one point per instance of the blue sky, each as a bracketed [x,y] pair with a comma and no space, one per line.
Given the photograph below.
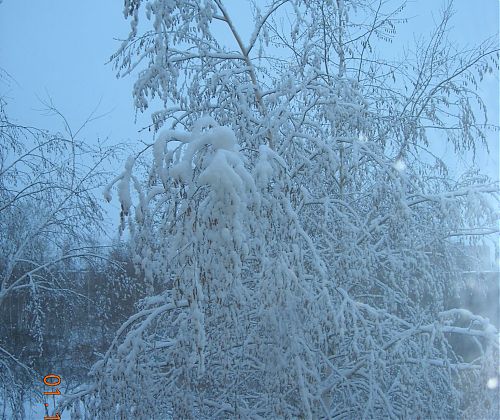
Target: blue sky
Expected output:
[60,47]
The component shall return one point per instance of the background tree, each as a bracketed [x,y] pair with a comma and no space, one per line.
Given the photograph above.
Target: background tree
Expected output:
[299,243]
[76,332]
[49,216]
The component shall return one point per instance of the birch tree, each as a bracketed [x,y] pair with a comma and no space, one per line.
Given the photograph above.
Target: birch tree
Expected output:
[296,230]
[49,216]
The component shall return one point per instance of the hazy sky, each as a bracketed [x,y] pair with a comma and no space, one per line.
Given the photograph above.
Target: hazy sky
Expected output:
[60,47]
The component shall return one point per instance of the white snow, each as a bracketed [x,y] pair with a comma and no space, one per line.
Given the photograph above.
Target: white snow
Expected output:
[492,383]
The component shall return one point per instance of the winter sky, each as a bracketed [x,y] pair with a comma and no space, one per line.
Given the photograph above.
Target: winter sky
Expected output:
[58,49]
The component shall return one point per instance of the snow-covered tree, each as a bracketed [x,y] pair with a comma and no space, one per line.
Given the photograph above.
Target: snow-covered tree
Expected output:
[49,215]
[295,228]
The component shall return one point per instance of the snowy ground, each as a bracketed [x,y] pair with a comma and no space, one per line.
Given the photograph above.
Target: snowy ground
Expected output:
[33,411]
